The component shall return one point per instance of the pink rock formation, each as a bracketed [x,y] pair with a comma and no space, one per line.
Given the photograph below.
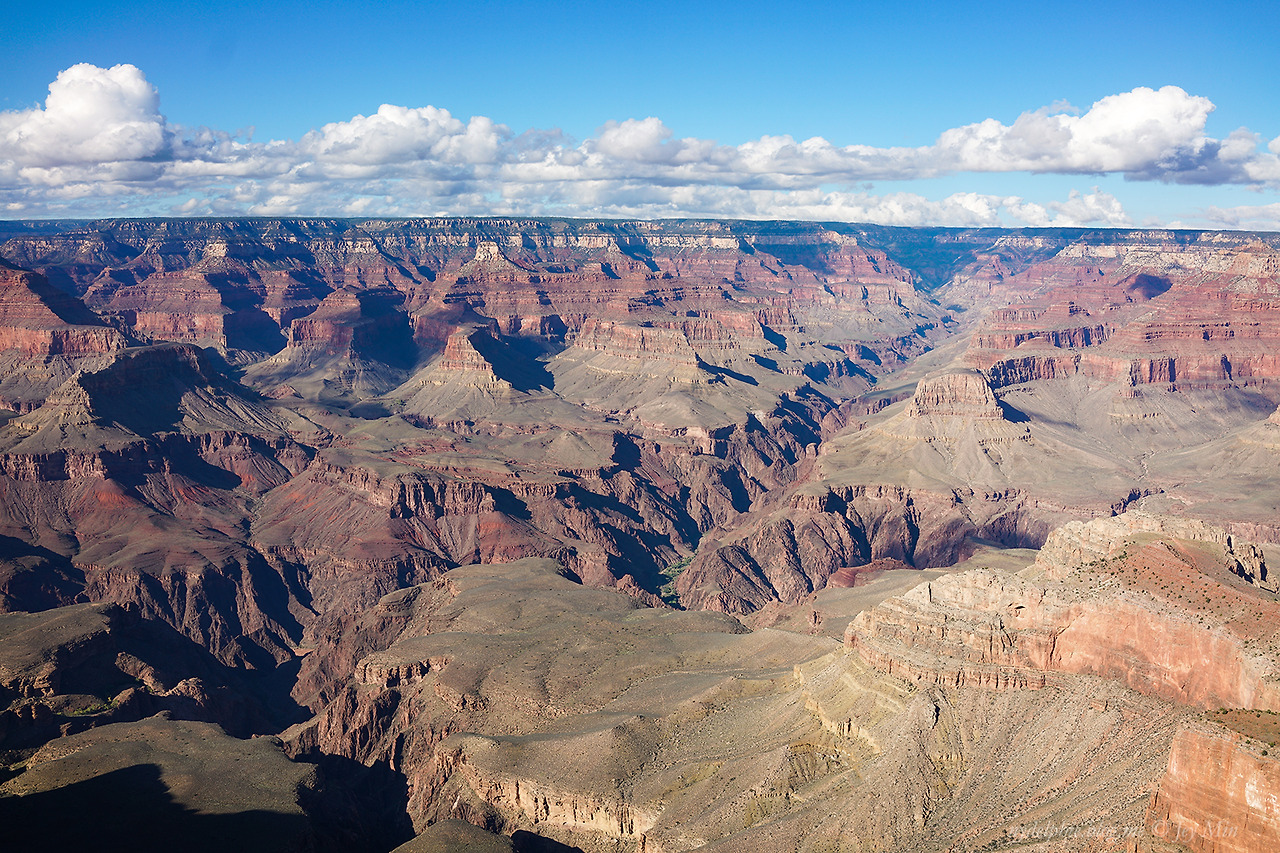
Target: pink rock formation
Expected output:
[1218,795]
[993,629]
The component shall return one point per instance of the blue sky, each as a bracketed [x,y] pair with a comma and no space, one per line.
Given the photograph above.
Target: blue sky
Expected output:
[646,109]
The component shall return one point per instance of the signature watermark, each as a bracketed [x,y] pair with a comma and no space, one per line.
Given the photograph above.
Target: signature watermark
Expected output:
[1172,830]
[1169,830]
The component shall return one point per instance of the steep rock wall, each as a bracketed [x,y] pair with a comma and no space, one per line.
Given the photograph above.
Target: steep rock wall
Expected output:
[1218,795]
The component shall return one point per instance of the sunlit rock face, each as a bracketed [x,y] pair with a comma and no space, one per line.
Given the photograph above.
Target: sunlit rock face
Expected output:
[1219,793]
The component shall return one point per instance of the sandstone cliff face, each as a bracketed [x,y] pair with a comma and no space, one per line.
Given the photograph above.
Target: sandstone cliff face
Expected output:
[985,629]
[1218,795]
[525,800]
[996,630]
[957,394]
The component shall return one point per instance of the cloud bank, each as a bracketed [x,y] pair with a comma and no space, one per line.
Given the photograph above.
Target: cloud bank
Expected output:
[101,146]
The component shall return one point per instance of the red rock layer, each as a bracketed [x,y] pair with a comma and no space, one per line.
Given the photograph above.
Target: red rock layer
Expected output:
[245,284]
[1138,312]
[38,320]
[999,630]
[1219,795]
[1023,645]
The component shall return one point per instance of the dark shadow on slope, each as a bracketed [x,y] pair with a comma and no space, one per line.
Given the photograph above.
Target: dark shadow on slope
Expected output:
[233,286]
[369,410]
[810,256]
[507,503]
[766,363]
[244,702]
[1012,415]
[309,283]
[633,246]
[775,338]
[739,498]
[523,841]
[357,809]
[868,354]
[68,308]
[253,329]
[515,360]
[386,337]
[132,811]
[826,371]
[34,578]
[626,453]
[143,389]
[726,373]
[1146,286]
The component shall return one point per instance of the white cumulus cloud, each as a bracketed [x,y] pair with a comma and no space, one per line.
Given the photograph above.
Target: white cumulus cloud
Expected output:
[1139,131]
[100,144]
[92,116]
[399,135]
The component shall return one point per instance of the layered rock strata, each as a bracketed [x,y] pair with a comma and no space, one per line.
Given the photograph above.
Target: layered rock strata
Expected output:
[1149,310]
[1218,795]
[1002,631]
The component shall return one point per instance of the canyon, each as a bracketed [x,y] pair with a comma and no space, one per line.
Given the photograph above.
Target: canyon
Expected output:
[450,534]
